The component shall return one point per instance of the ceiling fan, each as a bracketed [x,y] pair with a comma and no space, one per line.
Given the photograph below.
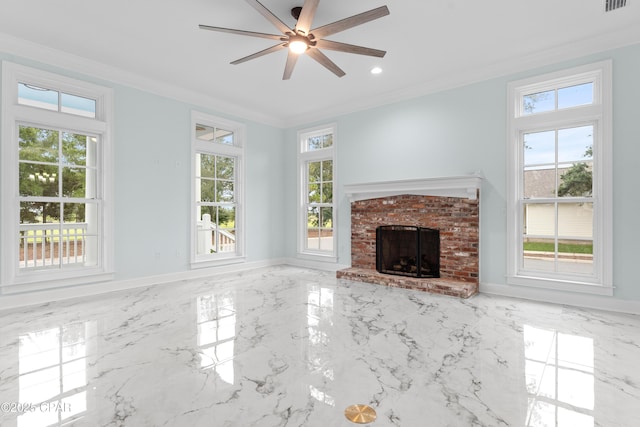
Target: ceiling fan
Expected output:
[304,39]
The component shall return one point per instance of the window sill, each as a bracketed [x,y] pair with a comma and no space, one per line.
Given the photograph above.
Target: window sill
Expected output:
[206,263]
[43,280]
[561,285]
[318,257]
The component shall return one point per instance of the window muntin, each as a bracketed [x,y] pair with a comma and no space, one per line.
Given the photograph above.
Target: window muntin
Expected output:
[217,191]
[560,199]
[317,185]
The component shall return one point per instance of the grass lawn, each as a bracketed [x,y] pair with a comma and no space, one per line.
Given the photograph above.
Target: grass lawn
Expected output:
[573,248]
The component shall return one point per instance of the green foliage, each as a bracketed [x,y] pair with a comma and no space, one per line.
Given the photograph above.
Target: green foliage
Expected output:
[574,248]
[43,164]
[577,181]
[217,186]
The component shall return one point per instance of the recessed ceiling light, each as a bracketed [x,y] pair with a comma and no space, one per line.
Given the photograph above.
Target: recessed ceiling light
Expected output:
[376,70]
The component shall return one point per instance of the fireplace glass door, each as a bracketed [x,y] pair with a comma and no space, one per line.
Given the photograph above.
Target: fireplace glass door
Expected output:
[408,251]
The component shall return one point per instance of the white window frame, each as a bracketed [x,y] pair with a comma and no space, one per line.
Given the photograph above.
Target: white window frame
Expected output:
[236,150]
[305,156]
[599,113]
[13,113]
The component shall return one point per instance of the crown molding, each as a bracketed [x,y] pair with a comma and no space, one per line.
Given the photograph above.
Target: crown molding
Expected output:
[626,36]
[570,51]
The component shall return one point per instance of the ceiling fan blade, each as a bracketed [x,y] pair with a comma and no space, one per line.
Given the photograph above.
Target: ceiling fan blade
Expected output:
[325,62]
[349,48]
[352,21]
[241,32]
[270,16]
[292,58]
[259,54]
[306,16]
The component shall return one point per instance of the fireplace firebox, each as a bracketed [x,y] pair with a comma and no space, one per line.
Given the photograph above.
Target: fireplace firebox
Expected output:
[408,251]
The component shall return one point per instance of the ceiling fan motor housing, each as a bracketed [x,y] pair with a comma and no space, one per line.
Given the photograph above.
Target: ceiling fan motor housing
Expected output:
[295,12]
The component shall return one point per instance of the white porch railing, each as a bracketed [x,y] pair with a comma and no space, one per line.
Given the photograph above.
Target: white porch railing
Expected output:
[211,237]
[50,245]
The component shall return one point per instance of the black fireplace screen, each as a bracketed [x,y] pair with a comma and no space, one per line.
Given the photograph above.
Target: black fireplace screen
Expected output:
[408,251]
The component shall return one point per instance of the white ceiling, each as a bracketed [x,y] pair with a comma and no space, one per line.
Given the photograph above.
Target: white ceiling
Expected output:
[430,44]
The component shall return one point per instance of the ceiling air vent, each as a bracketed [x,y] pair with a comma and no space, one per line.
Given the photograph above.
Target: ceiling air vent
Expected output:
[610,5]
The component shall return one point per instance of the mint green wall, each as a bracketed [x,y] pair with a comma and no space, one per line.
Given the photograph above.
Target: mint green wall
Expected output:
[462,131]
[152,181]
[453,132]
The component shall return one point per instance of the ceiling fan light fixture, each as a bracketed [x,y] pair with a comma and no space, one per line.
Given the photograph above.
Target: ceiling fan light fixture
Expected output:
[298,44]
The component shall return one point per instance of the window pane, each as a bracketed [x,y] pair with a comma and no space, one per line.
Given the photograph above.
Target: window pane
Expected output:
[314,171]
[223,136]
[207,190]
[539,182]
[77,105]
[540,148]
[327,193]
[576,181]
[38,180]
[575,256]
[225,167]
[319,142]
[313,194]
[37,97]
[574,96]
[37,144]
[326,217]
[204,133]
[539,102]
[31,212]
[327,170]
[79,241]
[227,217]
[207,165]
[539,220]
[224,191]
[539,255]
[74,181]
[74,148]
[313,238]
[575,220]
[575,156]
[575,144]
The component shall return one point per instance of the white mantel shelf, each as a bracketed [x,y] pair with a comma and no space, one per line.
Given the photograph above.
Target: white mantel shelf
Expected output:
[466,187]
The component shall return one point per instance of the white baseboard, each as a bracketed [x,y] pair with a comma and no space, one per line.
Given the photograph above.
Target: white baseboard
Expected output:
[535,294]
[564,298]
[41,297]
[316,265]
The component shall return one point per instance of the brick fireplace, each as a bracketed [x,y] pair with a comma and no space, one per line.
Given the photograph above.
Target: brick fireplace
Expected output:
[450,205]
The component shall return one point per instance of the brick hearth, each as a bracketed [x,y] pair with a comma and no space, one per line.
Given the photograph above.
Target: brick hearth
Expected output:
[457,219]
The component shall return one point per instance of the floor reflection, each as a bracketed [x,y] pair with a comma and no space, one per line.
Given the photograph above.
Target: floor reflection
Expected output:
[52,371]
[559,370]
[216,317]
[319,319]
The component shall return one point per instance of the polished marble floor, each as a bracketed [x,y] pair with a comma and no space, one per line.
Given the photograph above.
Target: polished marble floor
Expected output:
[287,346]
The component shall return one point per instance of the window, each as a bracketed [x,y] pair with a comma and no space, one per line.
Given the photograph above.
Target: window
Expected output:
[559,153]
[217,190]
[55,163]
[317,213]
